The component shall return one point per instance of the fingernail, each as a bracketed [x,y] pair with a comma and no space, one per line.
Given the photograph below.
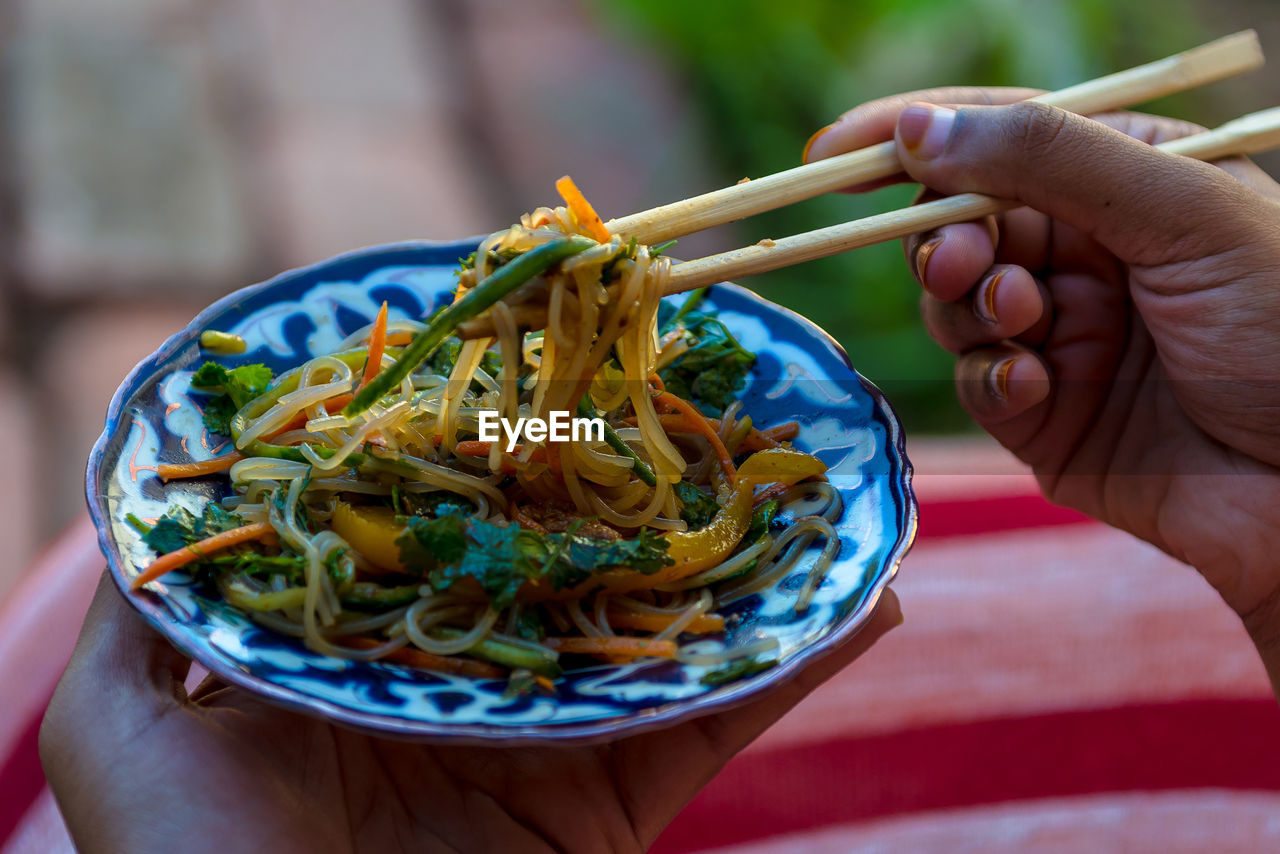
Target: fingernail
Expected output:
[804,157]
[985,305]
[923,253]
[924,128]
[998,379]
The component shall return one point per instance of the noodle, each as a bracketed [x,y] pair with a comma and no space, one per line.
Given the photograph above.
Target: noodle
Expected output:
[406,525]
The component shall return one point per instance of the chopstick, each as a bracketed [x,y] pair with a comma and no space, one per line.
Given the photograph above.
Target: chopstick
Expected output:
[1246,135]
[1208,63]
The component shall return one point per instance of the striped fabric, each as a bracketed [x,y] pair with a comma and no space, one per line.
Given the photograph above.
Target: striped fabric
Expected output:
[1057,687]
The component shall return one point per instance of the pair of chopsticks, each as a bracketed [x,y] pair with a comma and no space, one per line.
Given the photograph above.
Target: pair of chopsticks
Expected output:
[1209,63]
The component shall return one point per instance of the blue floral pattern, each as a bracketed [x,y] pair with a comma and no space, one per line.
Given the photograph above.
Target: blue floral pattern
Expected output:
[801,375]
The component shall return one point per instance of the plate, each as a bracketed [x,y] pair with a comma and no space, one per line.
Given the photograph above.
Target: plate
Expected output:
[802,374]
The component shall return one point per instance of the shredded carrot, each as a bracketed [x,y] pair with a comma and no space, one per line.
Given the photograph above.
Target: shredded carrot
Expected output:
[697,420]
[545,684]
[423,660]
[183,556]
[769,493]
[178,471]
[587,216]
[784,431]
[656,382]
[377,344]
[755,440]
[702,625]
[613,646]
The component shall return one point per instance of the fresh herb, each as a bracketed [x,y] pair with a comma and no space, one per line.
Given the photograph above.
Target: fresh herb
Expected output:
[180,528]
[697,508]
[655,251]
[761,521]
[736,670]
[496,259]
[238,386]
[713,369]
[500,558]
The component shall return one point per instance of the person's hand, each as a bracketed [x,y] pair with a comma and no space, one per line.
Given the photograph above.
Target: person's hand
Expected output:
[1121,334]
[139,766]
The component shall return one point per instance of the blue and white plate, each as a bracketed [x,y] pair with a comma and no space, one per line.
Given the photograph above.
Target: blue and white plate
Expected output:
[801,374]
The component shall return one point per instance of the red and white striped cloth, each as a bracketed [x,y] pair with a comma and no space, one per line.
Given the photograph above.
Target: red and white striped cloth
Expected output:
[1057,687]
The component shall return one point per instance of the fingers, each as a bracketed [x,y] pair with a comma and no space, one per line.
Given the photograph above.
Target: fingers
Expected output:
[1144,205]
[117,652]
[999,382]
[1007,303]
[874,121]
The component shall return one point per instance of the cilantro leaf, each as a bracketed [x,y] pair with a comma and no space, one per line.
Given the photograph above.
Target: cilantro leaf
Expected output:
[179,527]
[500,558]
[697,508]
[238,386]
[713,369]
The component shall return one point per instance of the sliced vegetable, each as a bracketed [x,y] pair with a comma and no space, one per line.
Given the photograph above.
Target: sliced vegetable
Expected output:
[587,216]
[631,647]
[197,551]
[694,418]
[222,343]
[413,657]
[705,624]
[494,287]
[377,343]
[178,471]
[510,652]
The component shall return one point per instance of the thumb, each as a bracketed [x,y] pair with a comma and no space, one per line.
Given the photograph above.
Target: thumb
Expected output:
[1146,206]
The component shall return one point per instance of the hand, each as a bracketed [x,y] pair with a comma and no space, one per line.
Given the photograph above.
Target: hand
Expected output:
[139,766]
[1121,334]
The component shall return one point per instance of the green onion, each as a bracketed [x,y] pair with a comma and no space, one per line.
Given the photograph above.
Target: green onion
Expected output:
[613,440]
[494,287]
[222,343]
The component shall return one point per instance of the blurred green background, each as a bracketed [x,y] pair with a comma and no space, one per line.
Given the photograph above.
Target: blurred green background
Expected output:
[764,75]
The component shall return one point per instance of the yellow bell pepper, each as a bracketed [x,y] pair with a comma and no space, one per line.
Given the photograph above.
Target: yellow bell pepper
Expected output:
[372,531]
[695,551]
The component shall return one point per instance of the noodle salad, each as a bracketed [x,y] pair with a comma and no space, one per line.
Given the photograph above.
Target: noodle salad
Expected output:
[375,513]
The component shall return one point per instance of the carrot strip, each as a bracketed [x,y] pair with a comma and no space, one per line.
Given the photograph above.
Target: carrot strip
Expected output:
[545,684]
[756,440]
[413,657]
[697,420]
[587,216]
[612,646]
[377,344]
[183,556]
[784,431]
[769,493]
[705,624]
[178,471]
[656,382]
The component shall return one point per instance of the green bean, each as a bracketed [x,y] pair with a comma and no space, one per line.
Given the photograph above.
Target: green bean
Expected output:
[494,287]
[530,656]
[364,595]
[613,440]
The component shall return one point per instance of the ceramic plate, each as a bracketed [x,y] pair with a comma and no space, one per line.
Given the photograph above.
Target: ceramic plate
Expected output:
[801,374]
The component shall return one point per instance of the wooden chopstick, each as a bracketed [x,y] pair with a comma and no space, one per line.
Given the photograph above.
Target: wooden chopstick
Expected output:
[1246,135]
[1216,60]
